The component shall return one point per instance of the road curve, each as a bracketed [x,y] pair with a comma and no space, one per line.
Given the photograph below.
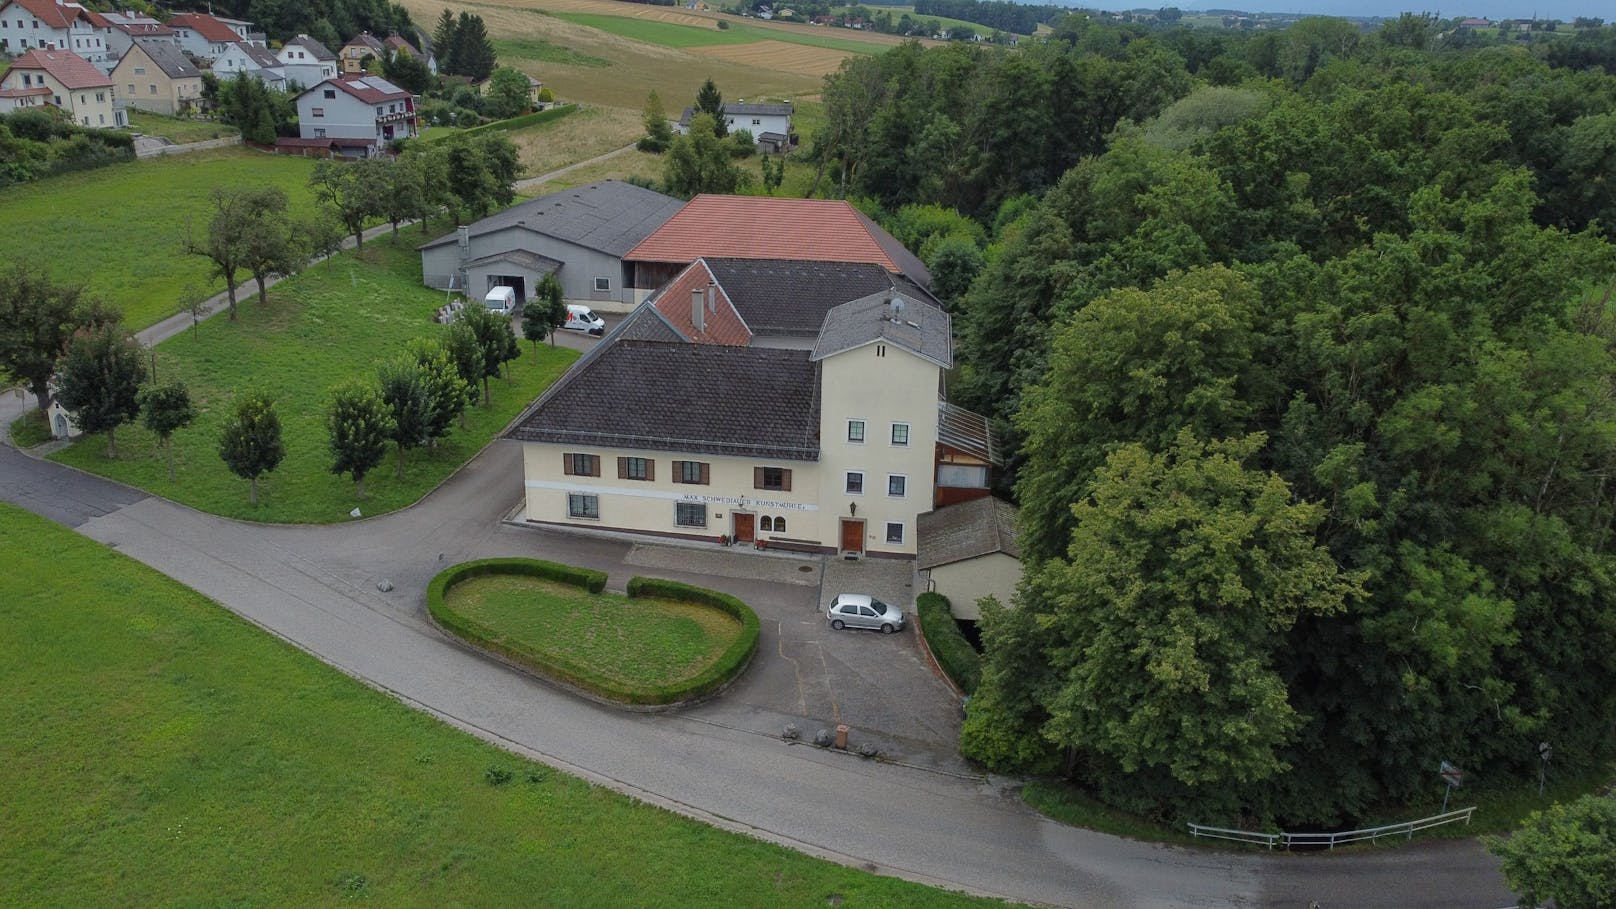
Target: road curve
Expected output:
[316,587]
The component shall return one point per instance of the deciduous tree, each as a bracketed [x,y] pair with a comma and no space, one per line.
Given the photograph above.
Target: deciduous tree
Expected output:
[1564,855]
[37,320]
[359,426]
[250,442]
[351,192]
[700,162]
[99,380]
[404,394]
[507,94]
[446,393]
[165,409]
[273,245]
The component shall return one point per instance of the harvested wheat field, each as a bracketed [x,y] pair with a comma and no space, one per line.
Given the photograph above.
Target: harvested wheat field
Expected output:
[777,55]
[589,132]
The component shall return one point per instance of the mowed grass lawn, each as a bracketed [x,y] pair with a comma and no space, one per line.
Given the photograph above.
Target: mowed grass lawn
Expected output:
[179,130]
[118,230]
[637,642]
[159,751]
[340,319]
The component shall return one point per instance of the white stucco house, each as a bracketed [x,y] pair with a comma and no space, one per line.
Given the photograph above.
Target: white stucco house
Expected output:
[306,62]
[769,124]
[362,114]
[53,25]
[63,80]
[250,59]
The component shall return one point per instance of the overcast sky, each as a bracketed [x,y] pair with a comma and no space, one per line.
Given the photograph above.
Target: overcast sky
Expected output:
[1565,10]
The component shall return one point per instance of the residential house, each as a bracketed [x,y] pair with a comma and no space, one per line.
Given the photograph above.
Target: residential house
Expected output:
[396,45]
[969,551]
[154,75]
[361,113]
[53,25]
[125,27]
[763,227]
[64,80]
[204,36]
[706,437]
[772,121]
[363,47]
[579,235]
[305,61]
[250,59]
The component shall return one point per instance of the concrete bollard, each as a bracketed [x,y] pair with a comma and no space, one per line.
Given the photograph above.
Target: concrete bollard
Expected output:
[841,736]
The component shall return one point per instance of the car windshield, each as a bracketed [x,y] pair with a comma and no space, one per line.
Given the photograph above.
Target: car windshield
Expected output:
[588,316]
[880,607]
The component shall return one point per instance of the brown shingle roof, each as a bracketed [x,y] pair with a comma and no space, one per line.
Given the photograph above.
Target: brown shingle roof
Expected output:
[206,26]
[66,67]
[52,13]
[761,227]
[369,89]
[967,530]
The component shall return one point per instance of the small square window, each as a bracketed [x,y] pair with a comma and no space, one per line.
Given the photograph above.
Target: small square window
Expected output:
[690,514]
[330,93]
[317,112]
[855,483]
[897,486]
[900,433]
[894,532]
[855,430]
[603,284]
[690,472]
[582,506]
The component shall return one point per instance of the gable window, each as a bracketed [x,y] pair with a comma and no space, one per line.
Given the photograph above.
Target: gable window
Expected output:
[582,506]
[140,70]
[900,433]
[691,472]
[690,514]
[777,478]
[855,430]
[855,483]
[603,284]
[636,469]
[894,532]
[897,485]
[330,93]
[581,465]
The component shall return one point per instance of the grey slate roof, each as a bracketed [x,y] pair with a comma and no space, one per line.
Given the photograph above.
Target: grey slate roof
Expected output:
[686,398]
[647,323]
[263,56]
[168,57]
[316,50]
[920,328]
[610,217]
[907,262]
[791,297]
[740,109]
[967,431]
[531,261]
[967,530]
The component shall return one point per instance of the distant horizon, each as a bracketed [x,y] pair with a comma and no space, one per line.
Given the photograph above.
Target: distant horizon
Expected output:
[1564,10]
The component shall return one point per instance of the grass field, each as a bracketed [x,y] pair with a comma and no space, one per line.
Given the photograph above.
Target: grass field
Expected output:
[118,229]
[541,51]
[589,132]
[161,752]
[644,643]
[335,321]
[177,129]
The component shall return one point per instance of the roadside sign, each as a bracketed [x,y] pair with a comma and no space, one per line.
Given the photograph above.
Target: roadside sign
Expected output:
[1451,775]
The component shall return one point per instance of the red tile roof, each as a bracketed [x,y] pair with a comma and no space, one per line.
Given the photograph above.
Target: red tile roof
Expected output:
[66,67]
[721,323]
[53,14]
[206,26]
[760,227]
[30,92]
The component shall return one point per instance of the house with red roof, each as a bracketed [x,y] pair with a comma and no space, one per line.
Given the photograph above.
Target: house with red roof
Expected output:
[359,114]
[764,227]
[53,25]
[205,36]
[64,80]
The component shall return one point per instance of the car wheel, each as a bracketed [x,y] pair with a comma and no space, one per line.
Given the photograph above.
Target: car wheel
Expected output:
[887,629]
[837,624]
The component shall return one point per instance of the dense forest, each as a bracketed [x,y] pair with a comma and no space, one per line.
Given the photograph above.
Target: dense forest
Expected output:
[1020,18]
[1303,346]
[331,22]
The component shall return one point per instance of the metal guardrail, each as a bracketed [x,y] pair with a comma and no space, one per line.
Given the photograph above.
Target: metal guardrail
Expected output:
[1331,840]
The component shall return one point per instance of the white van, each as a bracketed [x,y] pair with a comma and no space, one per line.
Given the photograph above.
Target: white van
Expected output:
[501,300]
[582,318]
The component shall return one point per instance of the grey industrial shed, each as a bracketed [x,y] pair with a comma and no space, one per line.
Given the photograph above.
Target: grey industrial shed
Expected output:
[580,235]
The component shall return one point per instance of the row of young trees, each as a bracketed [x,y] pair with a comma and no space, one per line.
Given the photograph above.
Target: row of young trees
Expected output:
[1302,349]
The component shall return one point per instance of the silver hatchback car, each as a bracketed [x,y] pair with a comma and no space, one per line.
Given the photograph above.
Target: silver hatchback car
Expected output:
[858,610]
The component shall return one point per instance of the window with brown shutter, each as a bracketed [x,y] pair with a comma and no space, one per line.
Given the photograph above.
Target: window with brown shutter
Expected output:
[691,472]
[580,465]
[771,478]
[636,469]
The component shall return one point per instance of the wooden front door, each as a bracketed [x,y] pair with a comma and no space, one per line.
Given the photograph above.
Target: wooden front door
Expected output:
[743,526]
[852,536]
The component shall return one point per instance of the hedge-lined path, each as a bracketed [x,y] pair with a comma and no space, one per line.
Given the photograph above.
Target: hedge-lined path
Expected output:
[316,587]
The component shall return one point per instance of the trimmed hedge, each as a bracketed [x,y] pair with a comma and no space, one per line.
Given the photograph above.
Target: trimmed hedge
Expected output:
[958,658]
[533,119]
[728,664]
